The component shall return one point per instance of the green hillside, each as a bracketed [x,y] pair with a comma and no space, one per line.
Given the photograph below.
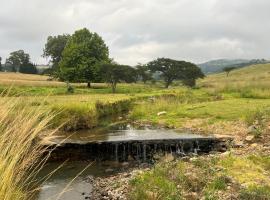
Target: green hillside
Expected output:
[216,66]
[252,81]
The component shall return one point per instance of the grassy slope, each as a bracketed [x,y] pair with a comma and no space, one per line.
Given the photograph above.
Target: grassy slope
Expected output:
[229,106]
[250,82]
[232,98]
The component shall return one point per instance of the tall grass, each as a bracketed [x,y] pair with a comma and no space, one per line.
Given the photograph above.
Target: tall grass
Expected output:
[21,149]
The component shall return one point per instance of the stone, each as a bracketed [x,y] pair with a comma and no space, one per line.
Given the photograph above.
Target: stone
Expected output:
[161,113]
[109,170]
[238,144]
[252,129]
[249,138]
[254,145]
[225,154]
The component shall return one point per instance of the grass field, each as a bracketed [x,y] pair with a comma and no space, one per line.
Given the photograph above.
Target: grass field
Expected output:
[219,105]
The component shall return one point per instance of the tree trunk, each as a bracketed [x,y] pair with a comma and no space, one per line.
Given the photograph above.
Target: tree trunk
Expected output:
[88,84]
[113,87]
[167,84]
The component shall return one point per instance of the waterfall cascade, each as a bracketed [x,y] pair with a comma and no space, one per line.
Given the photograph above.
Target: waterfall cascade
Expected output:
[143,151]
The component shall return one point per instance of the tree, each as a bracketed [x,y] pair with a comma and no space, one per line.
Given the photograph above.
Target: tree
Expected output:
[1,68]
[30,68]
[81,57]
[113,73]
[190,74]
[228,70]
[17,59]
[176,70]
[54,48]
[143,73]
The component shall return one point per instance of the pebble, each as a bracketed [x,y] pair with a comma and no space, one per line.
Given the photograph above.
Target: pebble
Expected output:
[249,138]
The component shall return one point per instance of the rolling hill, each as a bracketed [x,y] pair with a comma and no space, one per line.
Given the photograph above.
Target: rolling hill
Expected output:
[215,66]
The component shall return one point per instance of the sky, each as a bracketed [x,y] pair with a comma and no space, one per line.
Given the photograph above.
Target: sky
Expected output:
[137,31]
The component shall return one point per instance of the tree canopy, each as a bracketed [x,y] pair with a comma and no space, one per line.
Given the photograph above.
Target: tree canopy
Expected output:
[28,69]
[53,49]
[228,70]
[143,73]
[1,69]
[81,55]
[176,70]
[113,73]
[19,61]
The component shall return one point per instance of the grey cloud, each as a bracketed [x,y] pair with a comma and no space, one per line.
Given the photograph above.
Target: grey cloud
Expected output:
[139,30]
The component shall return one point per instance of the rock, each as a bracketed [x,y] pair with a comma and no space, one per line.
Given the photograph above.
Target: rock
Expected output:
[193,159]
[252,129]
[125,164]
[238,144]
[254,145]
[225,154]
[249,138]
[161,113]
[109,170]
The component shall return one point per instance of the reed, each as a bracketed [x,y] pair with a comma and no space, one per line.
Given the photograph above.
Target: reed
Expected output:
[21,147]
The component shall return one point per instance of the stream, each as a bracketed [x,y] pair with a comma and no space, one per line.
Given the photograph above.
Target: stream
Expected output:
[109,151]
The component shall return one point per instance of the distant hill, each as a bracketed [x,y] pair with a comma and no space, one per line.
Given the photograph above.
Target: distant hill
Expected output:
[215,66]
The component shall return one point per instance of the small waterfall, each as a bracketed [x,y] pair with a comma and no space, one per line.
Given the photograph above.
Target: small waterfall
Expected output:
[144,152]
[124,152]
[116,152]
[134,150]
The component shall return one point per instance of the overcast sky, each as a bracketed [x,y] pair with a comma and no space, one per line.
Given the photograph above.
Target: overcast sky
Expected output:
[141,30]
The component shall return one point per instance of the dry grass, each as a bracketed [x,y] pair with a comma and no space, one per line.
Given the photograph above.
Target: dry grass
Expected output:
[20,148]
[18,79]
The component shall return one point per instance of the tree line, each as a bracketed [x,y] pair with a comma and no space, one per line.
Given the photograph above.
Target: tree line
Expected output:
[83,57]
[19,61]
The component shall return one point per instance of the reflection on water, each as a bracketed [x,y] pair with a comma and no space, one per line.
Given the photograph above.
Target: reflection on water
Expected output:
[124,133]
[80,188]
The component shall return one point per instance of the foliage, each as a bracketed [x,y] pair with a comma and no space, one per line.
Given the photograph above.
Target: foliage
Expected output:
[143,73]
[19,59]
[83,51]
[114,73]
[53,49]
[28,69]
[1,69]
[176,70]
[228,70]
